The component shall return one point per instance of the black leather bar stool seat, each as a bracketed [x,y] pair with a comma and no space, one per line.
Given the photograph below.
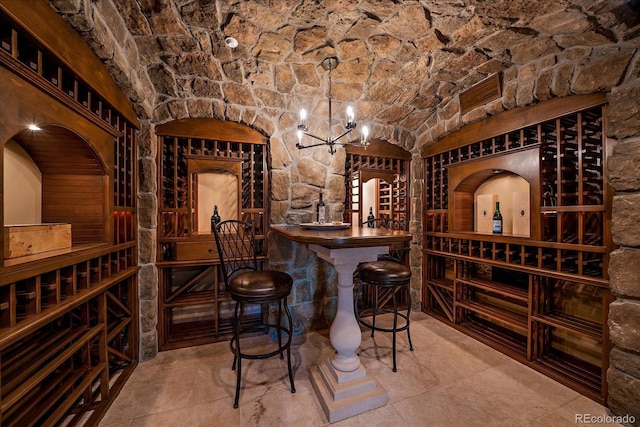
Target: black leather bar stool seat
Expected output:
[385,274]
[246,283]
[260,286]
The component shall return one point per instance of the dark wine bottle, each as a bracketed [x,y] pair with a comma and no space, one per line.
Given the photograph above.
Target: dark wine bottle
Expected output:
[215,218]
[497,220]
[370,218]
[321,211]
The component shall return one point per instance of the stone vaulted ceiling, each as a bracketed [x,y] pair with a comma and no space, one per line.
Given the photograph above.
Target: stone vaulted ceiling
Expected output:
[403,63]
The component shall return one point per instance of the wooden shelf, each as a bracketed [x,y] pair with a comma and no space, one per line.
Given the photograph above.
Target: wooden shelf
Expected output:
[562,155]
[518,322]
[571,323]
[499,288]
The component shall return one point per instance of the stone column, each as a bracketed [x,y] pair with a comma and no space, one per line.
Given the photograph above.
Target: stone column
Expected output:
[623,375]
[147,238]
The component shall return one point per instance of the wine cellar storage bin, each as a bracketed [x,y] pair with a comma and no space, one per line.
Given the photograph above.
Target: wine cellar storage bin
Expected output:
[68,314]
[542,299]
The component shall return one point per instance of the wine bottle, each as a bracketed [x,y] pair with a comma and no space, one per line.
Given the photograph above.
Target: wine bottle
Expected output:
[497,220]
[215,218]
[370,218]
[321,211]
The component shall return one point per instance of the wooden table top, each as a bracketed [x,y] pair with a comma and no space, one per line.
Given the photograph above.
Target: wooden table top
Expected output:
[344,238]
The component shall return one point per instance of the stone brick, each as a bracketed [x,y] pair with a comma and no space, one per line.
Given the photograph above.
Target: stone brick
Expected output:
[312,172]
[411,22]
[624,324]
[280,185]
[624,272]
[624,394]
[271,48]
[284,78]
[146,245]
[623,112]
[562,77]
[602,73]
[148,282]
[199,108]
[624,224]
[245,32]
[624,165]
[148,345]
[626,362]
[309,39]
[147,210]
[148,314]
[238,94]
[534,49]
[303,196]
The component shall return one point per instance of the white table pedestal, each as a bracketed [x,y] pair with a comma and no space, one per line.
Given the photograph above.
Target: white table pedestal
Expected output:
[341,384]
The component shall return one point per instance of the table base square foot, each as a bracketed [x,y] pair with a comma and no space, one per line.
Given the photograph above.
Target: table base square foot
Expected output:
[343,400]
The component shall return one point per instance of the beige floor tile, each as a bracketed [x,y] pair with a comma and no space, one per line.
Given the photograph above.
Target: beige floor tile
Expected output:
[448,380]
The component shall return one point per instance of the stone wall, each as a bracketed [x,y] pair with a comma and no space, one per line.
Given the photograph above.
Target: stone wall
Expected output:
[168,60]
[623,375]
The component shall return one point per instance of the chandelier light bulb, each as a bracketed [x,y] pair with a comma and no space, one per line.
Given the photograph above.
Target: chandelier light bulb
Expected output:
[365,135]
[302,120]
[350,114]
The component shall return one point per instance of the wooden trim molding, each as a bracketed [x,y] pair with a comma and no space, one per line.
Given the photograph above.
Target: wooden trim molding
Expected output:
[211,129]
[514,119]
[49,29]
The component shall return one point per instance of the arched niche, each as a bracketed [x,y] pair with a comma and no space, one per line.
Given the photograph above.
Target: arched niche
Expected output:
[72,179]
[465,179]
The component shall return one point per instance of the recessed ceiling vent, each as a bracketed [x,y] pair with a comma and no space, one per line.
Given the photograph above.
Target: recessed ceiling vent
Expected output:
[481,93]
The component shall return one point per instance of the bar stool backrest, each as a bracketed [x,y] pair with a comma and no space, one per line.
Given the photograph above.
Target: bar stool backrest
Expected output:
[236,245]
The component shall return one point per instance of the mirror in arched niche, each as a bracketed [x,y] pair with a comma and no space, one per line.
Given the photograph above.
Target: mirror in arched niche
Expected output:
[374,188]
[215,183]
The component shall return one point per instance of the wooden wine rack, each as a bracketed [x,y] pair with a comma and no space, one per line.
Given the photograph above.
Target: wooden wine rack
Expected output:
[194,307]
[391,165]
[542,300]
[68,319]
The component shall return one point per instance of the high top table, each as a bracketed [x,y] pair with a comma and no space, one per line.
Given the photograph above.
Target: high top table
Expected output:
[342,384]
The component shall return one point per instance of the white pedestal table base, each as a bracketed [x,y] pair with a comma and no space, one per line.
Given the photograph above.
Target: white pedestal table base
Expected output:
[342,384]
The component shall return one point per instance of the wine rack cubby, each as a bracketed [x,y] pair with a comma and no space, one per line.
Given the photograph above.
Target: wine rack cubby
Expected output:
[543,300]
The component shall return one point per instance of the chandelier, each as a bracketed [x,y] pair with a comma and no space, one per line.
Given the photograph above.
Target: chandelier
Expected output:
[303,129]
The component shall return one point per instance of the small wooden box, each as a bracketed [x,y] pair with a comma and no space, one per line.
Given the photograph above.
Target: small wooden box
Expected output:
[486,204]
[23,240]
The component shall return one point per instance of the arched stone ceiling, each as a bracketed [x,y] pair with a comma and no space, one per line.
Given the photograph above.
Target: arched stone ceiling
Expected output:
[402,62]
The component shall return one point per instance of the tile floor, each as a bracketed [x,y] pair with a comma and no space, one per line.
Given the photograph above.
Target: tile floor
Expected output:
[449,380]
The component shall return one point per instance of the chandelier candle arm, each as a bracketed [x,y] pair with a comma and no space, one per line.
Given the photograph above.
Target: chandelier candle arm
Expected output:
[303,128]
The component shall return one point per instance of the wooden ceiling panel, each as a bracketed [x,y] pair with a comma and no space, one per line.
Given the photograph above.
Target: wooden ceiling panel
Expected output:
[57,150]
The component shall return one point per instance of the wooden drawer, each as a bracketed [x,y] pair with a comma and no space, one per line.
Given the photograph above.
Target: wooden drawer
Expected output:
[186,251]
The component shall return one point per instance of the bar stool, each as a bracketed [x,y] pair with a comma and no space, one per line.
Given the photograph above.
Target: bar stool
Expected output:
[387,273]
[246,283]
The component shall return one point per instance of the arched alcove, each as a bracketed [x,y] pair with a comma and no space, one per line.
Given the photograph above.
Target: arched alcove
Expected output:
[466,178]
[73,181]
